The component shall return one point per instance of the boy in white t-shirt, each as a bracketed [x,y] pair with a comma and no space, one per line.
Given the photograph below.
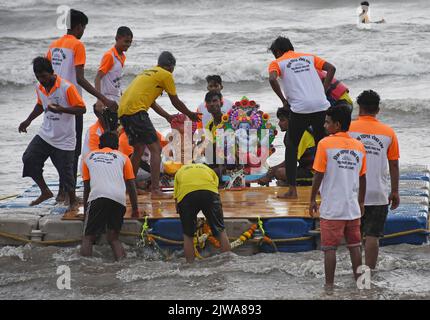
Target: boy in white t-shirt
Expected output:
[340,170]
[109,75]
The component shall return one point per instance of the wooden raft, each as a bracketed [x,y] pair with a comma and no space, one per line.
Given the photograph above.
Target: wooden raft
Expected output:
[249,203]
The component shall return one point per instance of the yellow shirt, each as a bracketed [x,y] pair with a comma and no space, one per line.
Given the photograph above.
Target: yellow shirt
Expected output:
[213,128]
[144,89]
[193,177]
[306,142]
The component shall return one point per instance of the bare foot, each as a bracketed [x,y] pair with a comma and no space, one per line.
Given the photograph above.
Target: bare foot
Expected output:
[288,195]
[158,194]
[44,196]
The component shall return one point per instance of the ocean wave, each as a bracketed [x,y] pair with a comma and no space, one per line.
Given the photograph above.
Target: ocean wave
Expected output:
[9,251]
[236,71]
[230,64]
[406,105]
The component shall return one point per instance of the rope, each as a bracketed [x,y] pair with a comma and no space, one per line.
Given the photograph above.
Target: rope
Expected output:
[8,197]
[47,242]
[175,242]
[405,233]
[260,226]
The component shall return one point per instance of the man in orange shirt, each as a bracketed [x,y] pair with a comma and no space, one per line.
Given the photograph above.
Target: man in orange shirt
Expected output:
[59,101]
[303,95]
[340,171]
[383,155]
[68,58]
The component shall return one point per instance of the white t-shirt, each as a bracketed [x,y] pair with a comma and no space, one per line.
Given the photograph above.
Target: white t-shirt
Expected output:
[58,129]
[381,145]
[342,159]
[300,81]
[107,171]
[112,65]
[65,54]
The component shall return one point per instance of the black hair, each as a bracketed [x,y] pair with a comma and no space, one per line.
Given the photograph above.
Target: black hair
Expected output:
[364,3]
[109,139]
[166,59]
[124,31]
[42,64]
[341,114]
[369,100]
[282,113]
[77,18]
[215,78]
[211,94]
[282,44]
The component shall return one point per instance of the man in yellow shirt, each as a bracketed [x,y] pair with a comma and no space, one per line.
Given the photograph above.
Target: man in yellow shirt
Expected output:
[133,113]
[196,188]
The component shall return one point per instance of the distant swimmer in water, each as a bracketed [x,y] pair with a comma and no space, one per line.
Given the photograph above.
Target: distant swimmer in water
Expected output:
[364,15]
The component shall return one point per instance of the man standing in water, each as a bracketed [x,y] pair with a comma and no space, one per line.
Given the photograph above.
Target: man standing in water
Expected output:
[137,99]
[340,166]
[60,101]
[382,150]
[106,173]
[304,96]
[196,189]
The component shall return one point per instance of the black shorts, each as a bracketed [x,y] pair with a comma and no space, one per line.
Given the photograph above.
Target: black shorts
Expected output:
[373,220]
[201,200]
[139,128]
[102,213]
[35,156]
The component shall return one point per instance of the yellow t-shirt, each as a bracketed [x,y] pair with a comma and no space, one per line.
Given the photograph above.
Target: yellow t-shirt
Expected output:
[144,89]
[213,128]
[193,177]
[306,142]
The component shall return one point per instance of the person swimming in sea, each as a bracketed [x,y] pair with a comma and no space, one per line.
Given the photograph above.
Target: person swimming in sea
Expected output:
[364,15]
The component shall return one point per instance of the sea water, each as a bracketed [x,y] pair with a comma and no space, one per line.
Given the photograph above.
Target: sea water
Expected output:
[229,38]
